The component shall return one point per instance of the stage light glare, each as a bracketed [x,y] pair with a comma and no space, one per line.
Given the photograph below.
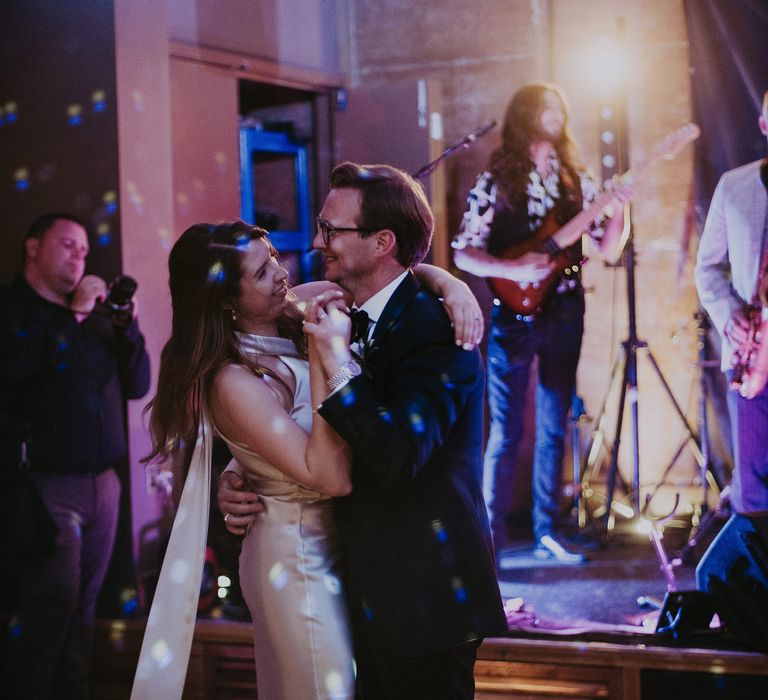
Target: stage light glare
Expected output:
[608,64]
[644,526]
[623,509]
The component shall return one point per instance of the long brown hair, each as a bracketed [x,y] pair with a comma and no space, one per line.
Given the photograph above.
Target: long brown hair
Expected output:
[205,268]
[511,164]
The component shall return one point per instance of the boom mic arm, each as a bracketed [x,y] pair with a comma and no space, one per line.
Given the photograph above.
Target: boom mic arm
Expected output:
[469,139]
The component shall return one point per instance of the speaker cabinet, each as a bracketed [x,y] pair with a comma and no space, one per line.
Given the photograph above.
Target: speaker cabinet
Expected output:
[734,571]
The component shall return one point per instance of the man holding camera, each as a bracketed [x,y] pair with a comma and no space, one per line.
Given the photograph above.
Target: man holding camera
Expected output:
[68,362]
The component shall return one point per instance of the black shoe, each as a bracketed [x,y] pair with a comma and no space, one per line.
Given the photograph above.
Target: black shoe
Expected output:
[550,547]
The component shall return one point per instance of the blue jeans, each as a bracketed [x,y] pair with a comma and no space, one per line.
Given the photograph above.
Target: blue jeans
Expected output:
[555,338]
[50,636]
[749,425]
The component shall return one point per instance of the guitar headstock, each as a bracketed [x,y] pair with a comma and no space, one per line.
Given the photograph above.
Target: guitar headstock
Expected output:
[674,142]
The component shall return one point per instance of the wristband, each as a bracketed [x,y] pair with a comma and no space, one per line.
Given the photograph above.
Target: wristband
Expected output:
[348,370]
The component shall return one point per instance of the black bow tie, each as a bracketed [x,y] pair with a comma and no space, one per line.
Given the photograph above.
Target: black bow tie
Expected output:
[360,325]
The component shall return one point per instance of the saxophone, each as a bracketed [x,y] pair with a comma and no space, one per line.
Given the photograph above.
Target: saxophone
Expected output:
[751,369]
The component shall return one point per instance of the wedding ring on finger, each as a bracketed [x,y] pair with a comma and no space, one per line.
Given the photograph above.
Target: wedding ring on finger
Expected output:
[226,516]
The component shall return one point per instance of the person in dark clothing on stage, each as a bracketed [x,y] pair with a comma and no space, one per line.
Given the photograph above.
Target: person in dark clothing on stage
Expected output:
[67,365]
[534,183]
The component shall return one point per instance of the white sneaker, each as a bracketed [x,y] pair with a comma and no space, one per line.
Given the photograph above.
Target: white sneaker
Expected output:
[548,547]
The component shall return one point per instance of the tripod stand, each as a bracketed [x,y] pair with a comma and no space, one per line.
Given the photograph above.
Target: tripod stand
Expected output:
[707,476]
[625,365]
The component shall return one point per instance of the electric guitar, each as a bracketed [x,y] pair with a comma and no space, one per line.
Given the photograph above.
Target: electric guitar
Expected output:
[528,299]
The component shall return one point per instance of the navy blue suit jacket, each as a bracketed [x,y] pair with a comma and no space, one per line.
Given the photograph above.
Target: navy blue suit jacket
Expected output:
[418,557]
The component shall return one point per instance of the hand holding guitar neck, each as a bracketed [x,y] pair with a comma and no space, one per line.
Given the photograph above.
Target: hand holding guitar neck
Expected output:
[527,298]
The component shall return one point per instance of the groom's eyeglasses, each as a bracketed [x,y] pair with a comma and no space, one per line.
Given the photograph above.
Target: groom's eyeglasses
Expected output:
[327,230]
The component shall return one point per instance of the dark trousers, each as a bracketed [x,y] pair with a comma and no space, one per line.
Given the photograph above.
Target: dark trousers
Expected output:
[444,675]
[749,425]
[48,648]
[554,337]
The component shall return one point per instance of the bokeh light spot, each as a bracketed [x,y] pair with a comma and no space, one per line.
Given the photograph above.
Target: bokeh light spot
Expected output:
[459,592]
[216,272]
[103,235]
[280,426]
[99,100]
[10,112]
[21,177]
[166,240]
[417,422]
[110,201]
[332,584]
[334,682]
[179,571]
[75,114]
[161,653]
[278,576]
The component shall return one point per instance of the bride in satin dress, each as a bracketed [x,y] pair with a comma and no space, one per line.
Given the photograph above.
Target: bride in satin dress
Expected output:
[244,363]
[236,364]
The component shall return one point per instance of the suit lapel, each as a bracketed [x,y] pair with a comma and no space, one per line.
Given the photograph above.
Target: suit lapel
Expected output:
[397,303]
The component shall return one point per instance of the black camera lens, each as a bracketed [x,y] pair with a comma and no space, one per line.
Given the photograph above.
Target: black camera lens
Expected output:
[121,291]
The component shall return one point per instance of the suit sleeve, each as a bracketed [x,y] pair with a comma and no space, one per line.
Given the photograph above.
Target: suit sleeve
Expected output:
[712,273]
[396,422]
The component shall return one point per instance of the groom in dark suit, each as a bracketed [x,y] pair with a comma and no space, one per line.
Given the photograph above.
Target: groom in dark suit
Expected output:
[418,558]
[419,562]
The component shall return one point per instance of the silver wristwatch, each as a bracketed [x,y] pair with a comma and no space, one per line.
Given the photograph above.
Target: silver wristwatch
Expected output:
[348,370]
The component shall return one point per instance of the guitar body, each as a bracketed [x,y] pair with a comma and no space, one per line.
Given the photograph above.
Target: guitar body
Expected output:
[529,299]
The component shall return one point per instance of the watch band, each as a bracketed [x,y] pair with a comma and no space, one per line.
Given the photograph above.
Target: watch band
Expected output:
[348,370]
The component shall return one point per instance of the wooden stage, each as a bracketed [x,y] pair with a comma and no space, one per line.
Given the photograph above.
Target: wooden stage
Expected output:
[221,667]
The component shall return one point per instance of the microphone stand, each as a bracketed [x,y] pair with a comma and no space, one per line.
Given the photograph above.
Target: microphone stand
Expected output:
[469,139]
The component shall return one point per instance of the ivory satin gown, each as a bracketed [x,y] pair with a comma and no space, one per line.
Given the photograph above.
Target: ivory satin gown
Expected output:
[289,568]
[289,573]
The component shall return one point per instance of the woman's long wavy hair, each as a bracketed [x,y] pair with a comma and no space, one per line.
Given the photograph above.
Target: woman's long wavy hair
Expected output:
[205,267]
[511,164]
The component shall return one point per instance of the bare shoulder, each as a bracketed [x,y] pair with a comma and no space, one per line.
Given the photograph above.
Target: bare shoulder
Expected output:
[236,383]
[240,400]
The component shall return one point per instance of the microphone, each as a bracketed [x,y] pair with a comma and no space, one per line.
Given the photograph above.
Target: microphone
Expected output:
[464,143]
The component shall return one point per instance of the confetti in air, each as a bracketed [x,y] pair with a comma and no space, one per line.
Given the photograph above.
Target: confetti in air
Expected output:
[21,177]
[278,576]
[103,235]
[161,654]
[216,272]
[74,114]
[99,101]
[9,113]
[110,201]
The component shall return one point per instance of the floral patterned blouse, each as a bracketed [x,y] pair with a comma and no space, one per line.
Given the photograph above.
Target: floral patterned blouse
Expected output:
[542,194]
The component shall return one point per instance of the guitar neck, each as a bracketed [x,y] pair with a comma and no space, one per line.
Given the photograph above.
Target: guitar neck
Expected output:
[667,147]
[571,232]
